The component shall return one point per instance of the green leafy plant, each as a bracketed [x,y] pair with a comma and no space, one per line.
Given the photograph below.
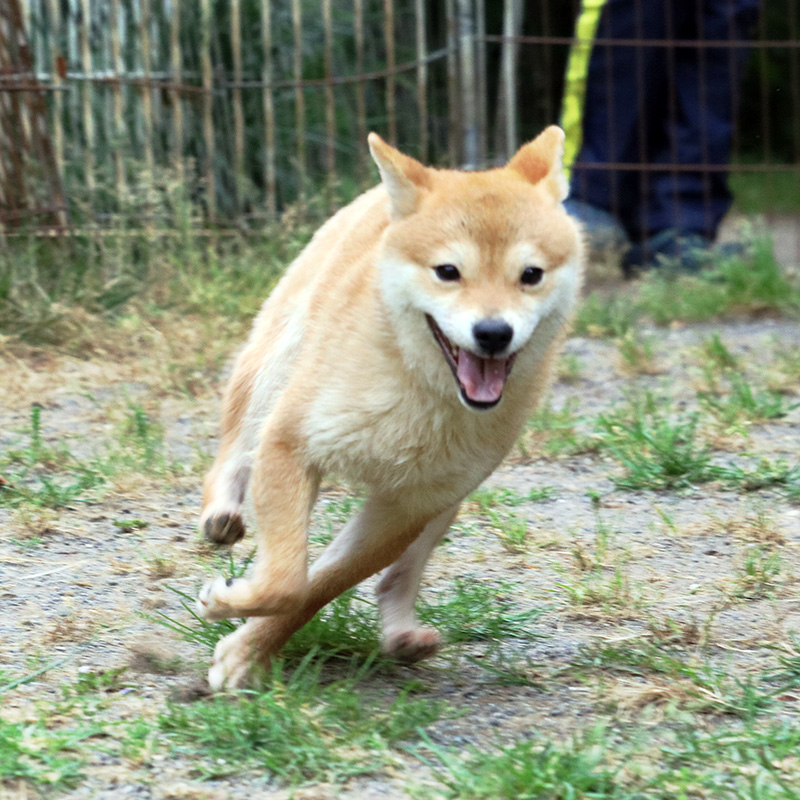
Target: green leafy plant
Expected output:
[656,451]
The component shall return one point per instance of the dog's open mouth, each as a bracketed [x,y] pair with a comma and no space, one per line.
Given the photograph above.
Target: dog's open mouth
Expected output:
[480,380]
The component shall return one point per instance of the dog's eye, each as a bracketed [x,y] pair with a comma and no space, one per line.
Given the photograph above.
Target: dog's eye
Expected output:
[447,272]
[531,276]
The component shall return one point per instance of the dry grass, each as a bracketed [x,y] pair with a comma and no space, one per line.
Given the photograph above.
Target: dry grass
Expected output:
[748,526]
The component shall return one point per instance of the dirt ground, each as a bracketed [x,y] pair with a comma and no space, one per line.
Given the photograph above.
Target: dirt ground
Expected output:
[79,588]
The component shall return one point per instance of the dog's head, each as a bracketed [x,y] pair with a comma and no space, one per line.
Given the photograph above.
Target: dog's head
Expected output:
[478,264]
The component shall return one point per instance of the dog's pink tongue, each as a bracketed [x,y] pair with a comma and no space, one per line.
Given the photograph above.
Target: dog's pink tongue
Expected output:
[482,378]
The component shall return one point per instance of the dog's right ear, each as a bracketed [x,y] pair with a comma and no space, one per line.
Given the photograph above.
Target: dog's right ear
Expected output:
[404,178]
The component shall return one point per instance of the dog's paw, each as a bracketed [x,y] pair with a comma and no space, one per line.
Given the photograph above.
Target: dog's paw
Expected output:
[224,528]
[412,645]
[234,661]
[215,600]
[239,597]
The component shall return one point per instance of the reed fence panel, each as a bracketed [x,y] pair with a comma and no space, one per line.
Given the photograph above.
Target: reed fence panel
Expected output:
[250,106]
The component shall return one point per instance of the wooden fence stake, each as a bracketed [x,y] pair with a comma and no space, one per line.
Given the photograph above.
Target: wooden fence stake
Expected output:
[208,103]
[422,79]
[511,23]
[361,97]
[330,107]
[86,99]
[57,67]
[469,114]
[391,64]
[176,70]
[299,97]
[269,109]
[238,112]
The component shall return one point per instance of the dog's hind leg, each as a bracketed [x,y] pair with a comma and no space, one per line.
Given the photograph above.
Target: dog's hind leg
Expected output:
[226,483]
[403,637]
[373,540]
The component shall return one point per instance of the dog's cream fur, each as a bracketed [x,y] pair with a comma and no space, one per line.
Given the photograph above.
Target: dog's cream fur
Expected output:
[343,373]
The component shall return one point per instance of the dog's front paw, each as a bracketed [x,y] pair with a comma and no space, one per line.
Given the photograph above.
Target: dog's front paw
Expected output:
[240,597]
[410,646]
[234,662]
[212,602]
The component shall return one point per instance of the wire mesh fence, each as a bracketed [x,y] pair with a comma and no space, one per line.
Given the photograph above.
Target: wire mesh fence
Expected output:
[249,106]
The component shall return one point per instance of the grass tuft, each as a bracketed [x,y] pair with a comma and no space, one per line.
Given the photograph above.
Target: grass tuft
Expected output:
[525,769]
[299,729]
[656,451]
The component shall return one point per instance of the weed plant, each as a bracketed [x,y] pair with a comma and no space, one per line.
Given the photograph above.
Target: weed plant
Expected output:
[742,403]
[752,283]
[303,728]
[476,611]
[655,450]
[525,770]
[35,752]
[38,475]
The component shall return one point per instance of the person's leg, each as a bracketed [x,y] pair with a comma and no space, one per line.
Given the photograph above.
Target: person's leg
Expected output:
[706,92]
[624,95]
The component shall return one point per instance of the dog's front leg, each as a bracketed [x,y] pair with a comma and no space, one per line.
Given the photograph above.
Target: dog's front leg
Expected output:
[375,538]
[284,491]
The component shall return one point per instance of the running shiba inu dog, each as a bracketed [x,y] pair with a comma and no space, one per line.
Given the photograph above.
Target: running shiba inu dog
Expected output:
[403,349]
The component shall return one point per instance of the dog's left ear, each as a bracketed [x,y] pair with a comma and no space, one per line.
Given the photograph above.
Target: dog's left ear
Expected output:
[404,178]
[540,161]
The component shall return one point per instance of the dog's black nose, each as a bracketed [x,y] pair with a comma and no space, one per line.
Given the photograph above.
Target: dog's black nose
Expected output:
[492,335]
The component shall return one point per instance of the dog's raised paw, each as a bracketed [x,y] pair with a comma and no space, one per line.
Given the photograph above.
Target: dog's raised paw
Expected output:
[412,645]
[224,528]
[210,602]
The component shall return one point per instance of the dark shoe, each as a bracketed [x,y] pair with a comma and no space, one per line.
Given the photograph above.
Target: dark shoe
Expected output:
[602,231]
[673,250]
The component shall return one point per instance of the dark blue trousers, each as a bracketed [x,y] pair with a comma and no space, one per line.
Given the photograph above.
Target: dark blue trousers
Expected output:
[663,105]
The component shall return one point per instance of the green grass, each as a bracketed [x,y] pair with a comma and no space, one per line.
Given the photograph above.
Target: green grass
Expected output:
[472,610]
[662,451]
[754,192]
[604,317]
[551,432]
[42,476]
[636,350]
[766,475]
[302,728]
[716,352]
[487,498]
[42,756]
[39,475]
[756,575]
[599,578]
[742,403]
[754,283]
[750,284]
[52,291]
[525,770]
[655,450]
[467,610]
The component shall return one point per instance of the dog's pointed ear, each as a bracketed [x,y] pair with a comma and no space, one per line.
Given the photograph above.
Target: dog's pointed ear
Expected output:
[404,178]
[540,160]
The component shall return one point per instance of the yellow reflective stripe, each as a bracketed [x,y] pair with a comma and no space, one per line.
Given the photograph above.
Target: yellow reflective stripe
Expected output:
[575,80]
